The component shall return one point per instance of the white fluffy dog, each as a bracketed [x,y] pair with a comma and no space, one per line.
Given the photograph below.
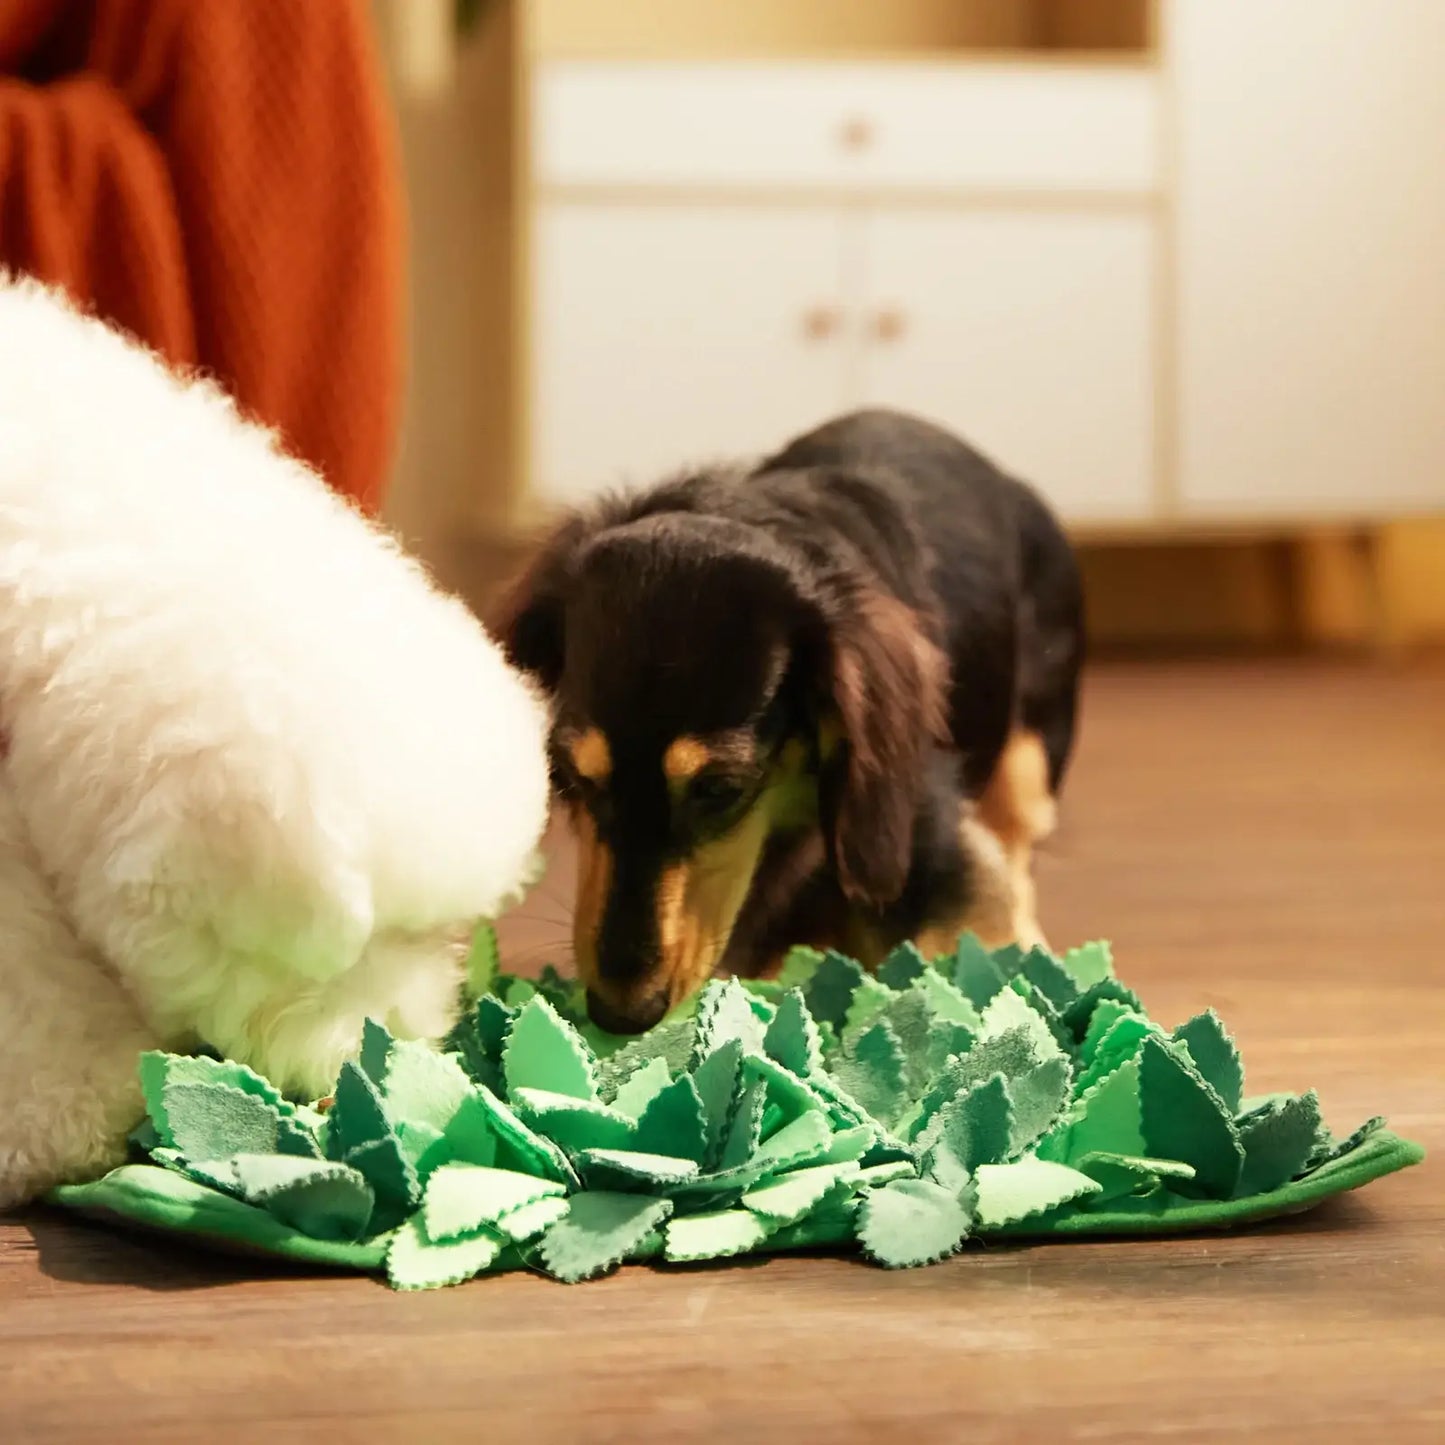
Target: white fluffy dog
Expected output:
[262,777]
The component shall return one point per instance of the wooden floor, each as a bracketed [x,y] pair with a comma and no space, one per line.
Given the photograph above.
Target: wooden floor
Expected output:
[1266,838]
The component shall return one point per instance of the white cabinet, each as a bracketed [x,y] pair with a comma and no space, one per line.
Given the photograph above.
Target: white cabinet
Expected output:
[1311,255]
[1206,284]
[728,254]
[669,336]
[1031,334]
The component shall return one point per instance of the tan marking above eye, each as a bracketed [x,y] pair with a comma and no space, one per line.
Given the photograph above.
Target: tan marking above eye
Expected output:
[591,755]
[688,755]
[685,758]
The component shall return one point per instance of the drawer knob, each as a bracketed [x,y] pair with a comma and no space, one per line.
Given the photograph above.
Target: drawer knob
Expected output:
[889,324]
[820,323]
[856,133]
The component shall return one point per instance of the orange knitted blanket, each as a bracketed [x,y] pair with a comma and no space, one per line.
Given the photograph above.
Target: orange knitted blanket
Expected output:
[218,177]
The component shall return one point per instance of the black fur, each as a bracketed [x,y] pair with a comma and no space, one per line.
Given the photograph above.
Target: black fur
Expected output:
[1001,571]
[877,578]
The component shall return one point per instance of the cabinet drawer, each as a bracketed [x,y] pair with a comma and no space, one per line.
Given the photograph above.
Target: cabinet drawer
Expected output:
[948,126]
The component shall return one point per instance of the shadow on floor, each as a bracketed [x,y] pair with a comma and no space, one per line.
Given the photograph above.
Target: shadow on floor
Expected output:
[79,1251]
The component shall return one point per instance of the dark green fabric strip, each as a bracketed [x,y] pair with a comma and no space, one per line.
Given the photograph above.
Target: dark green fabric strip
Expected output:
[1163,1213]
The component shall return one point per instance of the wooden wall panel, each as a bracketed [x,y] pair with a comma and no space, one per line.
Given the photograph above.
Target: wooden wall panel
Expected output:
[1092,24]
[712,27]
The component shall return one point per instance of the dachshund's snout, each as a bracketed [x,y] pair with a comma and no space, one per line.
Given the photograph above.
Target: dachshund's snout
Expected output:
[637,1016]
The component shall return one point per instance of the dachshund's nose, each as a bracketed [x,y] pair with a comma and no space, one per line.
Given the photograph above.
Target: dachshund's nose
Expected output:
[637,1017]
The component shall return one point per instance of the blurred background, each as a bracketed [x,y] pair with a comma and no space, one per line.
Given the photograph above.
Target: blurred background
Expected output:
[1176,263]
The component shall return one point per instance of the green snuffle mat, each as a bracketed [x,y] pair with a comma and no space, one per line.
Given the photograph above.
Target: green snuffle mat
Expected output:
[980,1095]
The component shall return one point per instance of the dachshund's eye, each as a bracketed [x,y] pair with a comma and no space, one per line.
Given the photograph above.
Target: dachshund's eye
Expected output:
[579,792]
[714,794]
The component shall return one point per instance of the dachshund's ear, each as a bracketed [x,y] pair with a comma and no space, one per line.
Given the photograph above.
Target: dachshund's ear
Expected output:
[528,618]
[889,687]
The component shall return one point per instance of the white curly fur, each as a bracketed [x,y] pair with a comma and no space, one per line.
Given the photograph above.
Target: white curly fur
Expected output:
[263,777]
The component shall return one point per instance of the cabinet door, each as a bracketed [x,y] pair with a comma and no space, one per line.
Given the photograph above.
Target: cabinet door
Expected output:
[1030,333]
[669,337]
[1311,229]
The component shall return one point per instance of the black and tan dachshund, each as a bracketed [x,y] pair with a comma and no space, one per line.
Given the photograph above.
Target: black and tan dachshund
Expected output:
[829,700]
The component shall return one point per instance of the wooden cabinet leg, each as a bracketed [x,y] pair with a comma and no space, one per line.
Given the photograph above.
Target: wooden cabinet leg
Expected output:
[1385,636]
[1288,581]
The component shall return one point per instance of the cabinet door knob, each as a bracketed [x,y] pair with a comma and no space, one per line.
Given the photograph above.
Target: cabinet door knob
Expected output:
[889,324]
[856,133]
[820,323]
